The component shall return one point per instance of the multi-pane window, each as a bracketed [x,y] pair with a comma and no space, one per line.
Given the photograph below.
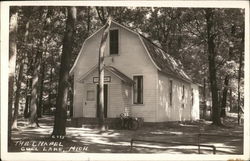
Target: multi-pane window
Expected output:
[183,92]
[114,42]
[90,95]
[170,92]
[138,90]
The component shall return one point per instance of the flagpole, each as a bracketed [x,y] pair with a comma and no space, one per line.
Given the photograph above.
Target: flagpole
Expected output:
[100,103]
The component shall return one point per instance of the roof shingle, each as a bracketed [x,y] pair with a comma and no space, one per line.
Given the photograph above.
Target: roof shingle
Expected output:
[164,61]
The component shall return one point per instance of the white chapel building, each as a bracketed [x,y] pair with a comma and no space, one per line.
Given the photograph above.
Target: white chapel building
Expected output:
[141,80]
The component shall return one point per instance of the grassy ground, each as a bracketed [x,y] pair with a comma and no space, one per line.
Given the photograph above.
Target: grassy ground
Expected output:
[89,140]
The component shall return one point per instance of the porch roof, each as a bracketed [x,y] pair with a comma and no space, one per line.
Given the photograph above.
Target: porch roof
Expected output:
[119,74]
[124,78]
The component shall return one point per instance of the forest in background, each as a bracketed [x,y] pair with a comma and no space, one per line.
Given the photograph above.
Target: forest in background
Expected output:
[209,43]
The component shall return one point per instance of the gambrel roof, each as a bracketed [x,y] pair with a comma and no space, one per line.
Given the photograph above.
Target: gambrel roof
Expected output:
[162,61]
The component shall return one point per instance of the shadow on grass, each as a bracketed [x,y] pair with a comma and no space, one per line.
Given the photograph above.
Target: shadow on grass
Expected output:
[81,140]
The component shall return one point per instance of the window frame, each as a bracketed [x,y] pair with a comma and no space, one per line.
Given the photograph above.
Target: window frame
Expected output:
[142,91]
[183,96]
[183,92]
[118,40]
[171,92]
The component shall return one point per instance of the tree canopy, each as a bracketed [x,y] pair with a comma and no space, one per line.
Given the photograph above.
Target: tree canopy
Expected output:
[196,37]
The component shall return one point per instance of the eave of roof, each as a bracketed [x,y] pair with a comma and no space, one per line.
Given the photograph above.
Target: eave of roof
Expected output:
[79,54]
[119,74]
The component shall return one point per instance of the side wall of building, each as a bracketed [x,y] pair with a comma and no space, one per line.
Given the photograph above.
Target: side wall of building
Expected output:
[181,108]
[195,112]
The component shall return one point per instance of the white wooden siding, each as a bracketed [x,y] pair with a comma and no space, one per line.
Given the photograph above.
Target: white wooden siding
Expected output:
[148,109]
[116,102]
[78,99]
[165,112]
[127,98]
[195,112]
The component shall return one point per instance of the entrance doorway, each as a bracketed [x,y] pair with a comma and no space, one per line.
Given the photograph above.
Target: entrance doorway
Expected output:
[105,100]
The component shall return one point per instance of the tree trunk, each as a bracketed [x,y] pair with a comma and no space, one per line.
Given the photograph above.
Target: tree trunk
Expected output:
[19,81]
[204,98]
[239,76]
[227,78]
[51,81]
[31,60]
[33,122]
[27,100]
[61,100]
[230,99]
[88,23]
[71,97]
[37,67]
[224,93]
[101,14]
[212,66]
[16,104]
[100,104]
[40,104]
[50,85]
[12,64]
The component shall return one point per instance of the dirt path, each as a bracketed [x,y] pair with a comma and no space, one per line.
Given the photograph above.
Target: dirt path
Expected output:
[118,141]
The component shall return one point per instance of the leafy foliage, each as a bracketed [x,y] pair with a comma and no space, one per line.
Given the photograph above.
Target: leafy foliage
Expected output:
[181,32]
